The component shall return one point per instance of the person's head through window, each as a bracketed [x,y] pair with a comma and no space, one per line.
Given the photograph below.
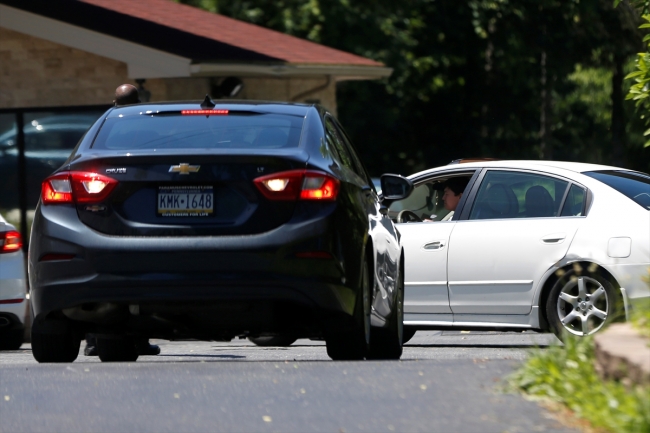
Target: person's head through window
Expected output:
[453,192]
[126,94]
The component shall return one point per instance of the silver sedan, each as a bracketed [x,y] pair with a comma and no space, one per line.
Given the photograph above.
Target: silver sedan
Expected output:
[524,245]
[13,287]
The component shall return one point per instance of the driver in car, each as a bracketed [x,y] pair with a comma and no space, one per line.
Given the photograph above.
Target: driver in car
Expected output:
[453,191]
[452,194]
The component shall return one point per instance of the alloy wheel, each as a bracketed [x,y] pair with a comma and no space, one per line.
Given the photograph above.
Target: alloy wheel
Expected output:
[583,306]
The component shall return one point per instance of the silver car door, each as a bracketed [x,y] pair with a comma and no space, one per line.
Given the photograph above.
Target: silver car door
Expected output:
[426,245]
[425,275]
[498,256]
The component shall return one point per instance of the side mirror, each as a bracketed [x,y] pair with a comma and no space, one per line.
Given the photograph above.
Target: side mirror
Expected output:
[395,187]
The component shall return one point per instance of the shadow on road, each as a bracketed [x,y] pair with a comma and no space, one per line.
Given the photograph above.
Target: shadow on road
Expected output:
[193,355]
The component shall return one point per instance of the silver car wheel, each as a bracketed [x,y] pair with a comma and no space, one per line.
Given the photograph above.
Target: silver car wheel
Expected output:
[583,306]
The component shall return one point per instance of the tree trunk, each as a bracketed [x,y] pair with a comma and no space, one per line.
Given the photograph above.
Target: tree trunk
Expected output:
[489,51]
[545,143]
[618,114]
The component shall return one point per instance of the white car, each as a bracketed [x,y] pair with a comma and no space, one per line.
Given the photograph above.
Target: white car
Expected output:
[13,288]
[531,245]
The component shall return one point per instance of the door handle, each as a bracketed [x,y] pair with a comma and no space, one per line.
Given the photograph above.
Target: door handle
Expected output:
[555,238]
[435,245]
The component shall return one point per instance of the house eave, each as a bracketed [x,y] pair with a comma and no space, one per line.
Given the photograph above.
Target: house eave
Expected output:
[287,70]
[141,61]
[146,62]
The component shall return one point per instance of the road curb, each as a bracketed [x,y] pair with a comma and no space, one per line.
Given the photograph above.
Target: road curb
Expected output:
[622,353]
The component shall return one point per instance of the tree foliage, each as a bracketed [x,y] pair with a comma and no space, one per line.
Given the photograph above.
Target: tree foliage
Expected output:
[640,91]
[494,78]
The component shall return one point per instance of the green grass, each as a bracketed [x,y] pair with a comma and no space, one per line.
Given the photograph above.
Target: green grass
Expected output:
[641,321]
[567,375]
[641,315]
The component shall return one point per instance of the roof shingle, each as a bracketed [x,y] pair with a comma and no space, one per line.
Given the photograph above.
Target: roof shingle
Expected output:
[226,30]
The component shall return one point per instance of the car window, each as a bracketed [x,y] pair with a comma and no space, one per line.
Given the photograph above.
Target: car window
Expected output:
[635,186]
[259,131]
[574,204]
[426,200]
[334,140]
[421,201]
[512,194]
[358,165]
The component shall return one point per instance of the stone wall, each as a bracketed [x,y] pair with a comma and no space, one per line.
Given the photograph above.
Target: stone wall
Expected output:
[38,73]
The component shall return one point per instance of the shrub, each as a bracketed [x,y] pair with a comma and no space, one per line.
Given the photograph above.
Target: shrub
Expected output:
[567,375]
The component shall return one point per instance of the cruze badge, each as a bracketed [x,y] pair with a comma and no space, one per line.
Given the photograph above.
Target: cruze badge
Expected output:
[120,170]
[184,168]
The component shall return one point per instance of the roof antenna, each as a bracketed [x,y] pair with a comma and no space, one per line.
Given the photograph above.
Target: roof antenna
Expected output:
[207,102]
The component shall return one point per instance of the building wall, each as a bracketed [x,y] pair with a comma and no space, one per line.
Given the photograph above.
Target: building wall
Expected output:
[288,89]
[38,73]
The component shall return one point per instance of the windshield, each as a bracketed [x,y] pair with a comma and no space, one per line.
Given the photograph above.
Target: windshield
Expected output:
[247,131]
[635,186]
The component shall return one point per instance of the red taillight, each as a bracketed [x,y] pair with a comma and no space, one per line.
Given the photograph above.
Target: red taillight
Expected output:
[10,241]
[319,186]
[76,187]
[281,186]
[298,184]
[204,112]
[314,255]
[91,187]
[12,301]
[56,257]
[57,189]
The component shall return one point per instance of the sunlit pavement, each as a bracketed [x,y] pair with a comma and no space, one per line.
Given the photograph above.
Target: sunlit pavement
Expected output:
[445,382]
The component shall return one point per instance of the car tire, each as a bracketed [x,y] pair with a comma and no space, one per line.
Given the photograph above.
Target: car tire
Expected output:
[353,345]
[386,343]
[273,341]
[581,303]
[409,332]
[54,341]
[118,349]
[12,340]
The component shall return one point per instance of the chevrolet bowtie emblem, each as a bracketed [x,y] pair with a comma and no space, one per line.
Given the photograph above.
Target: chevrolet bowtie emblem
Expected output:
[184,168]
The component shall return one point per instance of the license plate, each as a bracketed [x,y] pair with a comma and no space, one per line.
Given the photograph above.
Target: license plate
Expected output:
[185,201]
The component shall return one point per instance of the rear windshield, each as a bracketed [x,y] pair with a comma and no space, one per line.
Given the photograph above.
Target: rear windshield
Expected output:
[633,185]
[233,131]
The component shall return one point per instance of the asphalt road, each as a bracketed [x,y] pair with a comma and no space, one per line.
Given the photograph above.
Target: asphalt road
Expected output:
[445,382]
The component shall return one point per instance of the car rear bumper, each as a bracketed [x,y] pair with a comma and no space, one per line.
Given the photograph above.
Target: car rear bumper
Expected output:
[307,293]
[14,314]
[11,323]
[13,291]
[633,278]
[13,299]
[154,273]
